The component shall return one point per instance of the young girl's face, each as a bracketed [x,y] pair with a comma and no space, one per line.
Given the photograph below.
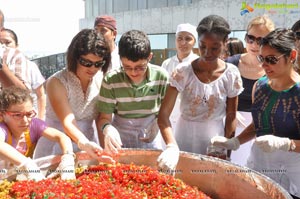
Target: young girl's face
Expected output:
[210,46]
[18,117]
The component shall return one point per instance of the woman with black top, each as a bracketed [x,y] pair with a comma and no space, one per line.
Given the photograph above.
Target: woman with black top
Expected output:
[251,71]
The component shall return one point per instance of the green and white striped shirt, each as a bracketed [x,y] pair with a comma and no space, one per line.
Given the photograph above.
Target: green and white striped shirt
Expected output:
[119,96]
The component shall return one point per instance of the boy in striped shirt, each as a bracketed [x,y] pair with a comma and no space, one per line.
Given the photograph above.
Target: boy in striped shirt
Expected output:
[130,97]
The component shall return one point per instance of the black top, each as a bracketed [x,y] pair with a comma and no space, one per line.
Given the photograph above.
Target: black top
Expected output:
[245,100]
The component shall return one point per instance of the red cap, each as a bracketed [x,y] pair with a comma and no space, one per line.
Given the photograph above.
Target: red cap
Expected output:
[107,21]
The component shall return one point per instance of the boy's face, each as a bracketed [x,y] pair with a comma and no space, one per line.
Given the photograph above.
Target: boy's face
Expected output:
[136,71]
[18,117]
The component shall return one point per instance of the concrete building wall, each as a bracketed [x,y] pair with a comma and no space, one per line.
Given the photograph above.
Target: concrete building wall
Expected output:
[162,16]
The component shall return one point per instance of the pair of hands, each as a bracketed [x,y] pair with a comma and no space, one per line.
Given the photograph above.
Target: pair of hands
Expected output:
[167,160]
[95,151]
[66,169]
[268,143]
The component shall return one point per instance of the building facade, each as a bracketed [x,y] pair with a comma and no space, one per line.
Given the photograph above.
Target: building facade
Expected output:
[159,18]
[162,16]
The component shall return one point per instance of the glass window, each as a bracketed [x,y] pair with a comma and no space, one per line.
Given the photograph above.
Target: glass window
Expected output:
[158,41]
[157,3]
[185,2]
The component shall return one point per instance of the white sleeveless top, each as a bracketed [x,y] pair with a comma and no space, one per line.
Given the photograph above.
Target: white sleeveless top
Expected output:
[83,107]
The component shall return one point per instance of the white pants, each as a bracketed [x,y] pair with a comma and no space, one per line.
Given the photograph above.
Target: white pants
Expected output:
[194,136]
[283,167]
[241,155]
[130,129]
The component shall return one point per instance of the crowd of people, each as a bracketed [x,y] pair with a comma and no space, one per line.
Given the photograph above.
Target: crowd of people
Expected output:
[109,97]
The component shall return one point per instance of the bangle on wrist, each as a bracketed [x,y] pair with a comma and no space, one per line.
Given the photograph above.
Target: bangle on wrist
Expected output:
[171,145]
[104,125]
[70,153]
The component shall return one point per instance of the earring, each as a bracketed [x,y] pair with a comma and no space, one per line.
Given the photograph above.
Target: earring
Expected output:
[293,55]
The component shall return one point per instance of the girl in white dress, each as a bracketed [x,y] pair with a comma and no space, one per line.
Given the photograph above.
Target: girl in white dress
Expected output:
[209,89]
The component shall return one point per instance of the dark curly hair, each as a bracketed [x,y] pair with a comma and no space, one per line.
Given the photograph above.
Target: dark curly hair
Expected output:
[13,95]
[134,45]
[296,26]
[281,39]
[214,24]
[85,42]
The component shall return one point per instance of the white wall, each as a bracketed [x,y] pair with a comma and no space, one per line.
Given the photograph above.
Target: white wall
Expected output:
[165,20]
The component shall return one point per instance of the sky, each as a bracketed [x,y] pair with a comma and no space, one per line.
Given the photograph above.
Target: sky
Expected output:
[43,27]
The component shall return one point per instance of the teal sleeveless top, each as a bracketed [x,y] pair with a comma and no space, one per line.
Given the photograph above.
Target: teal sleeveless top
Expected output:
[276,113]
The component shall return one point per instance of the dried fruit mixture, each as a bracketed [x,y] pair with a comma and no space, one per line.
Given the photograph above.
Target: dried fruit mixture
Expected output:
[119,181]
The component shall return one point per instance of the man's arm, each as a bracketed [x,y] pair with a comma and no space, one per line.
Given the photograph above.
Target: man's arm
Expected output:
[7,78]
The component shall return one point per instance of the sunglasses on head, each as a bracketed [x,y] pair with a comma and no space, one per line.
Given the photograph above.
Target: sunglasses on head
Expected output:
[88,63]
[250,39]
[270,59]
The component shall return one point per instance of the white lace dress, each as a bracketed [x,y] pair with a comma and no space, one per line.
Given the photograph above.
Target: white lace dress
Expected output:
[83,107]
[202,105]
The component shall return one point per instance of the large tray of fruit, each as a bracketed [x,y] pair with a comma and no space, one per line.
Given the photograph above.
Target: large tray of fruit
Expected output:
[217,178]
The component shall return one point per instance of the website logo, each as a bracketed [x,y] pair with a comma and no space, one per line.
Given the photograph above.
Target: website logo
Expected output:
[279,8]
[246,8]
[271,8]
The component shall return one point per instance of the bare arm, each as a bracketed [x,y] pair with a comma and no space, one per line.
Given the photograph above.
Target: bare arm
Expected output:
[8,78]
[230,121]
[41,101]
[249,132]
[59,101]
[165,111]
[58,136]
[10,154]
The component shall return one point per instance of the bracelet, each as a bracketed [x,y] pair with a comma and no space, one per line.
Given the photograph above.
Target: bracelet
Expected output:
[70,153]
[104,125]
[172,145]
